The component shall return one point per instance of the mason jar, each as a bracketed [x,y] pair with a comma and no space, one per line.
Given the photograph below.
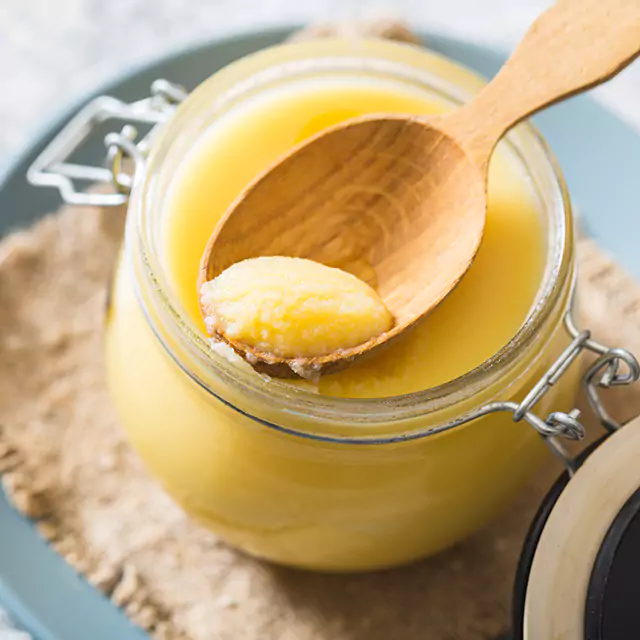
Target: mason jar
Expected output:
[290,475]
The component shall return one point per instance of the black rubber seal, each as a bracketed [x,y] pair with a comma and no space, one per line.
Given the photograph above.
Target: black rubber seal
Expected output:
[531,543]
[612,609]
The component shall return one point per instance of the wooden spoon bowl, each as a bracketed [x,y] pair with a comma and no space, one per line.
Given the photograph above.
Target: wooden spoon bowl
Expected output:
[381,208]
[400,201]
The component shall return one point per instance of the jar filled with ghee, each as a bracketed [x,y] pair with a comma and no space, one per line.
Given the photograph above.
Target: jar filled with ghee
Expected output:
[400,455]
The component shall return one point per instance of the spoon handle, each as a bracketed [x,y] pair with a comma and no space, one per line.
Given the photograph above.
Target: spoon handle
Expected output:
[572,47]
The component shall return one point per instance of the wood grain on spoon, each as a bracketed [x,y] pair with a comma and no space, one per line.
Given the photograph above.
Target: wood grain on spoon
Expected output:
[400,201]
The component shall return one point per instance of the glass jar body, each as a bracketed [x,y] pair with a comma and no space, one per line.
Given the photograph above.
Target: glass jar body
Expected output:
[242,464]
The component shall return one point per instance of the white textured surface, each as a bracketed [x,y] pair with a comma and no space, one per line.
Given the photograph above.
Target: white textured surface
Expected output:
[7,632]
[52,51]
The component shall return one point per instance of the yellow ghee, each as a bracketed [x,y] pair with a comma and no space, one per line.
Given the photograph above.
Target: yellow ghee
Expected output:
[324,480]
[474,322]
[292,307]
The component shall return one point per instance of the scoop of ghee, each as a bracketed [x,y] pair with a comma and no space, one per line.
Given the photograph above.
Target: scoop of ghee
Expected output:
[292,307]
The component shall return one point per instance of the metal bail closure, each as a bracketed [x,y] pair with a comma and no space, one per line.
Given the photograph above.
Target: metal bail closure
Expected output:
[613,367]
[53,167]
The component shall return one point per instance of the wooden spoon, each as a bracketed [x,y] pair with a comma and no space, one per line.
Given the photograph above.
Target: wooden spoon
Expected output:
[401,201]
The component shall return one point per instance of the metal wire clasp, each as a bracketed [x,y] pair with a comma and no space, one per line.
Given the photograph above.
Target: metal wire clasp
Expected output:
[53,167]
[613,367]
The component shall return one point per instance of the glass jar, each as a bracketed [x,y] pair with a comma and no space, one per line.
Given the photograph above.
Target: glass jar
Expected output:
[314,481]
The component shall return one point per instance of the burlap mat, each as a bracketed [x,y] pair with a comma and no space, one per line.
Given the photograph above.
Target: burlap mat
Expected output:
[67,465]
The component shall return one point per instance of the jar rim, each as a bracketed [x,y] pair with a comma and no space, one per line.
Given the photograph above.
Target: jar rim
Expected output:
[205,365]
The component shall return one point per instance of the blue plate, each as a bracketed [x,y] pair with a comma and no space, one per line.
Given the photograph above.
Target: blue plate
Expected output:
[599,154]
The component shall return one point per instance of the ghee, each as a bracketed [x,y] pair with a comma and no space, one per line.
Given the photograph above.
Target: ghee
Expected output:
[474,322]
[292,307]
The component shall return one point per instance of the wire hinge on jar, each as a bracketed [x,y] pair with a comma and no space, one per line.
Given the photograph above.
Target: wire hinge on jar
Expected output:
[53,167]
[613,367]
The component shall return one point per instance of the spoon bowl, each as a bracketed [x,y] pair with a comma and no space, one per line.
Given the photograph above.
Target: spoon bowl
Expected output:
[392,200]
[400,201]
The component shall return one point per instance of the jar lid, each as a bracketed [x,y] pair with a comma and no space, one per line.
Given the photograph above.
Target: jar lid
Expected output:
[579,573]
